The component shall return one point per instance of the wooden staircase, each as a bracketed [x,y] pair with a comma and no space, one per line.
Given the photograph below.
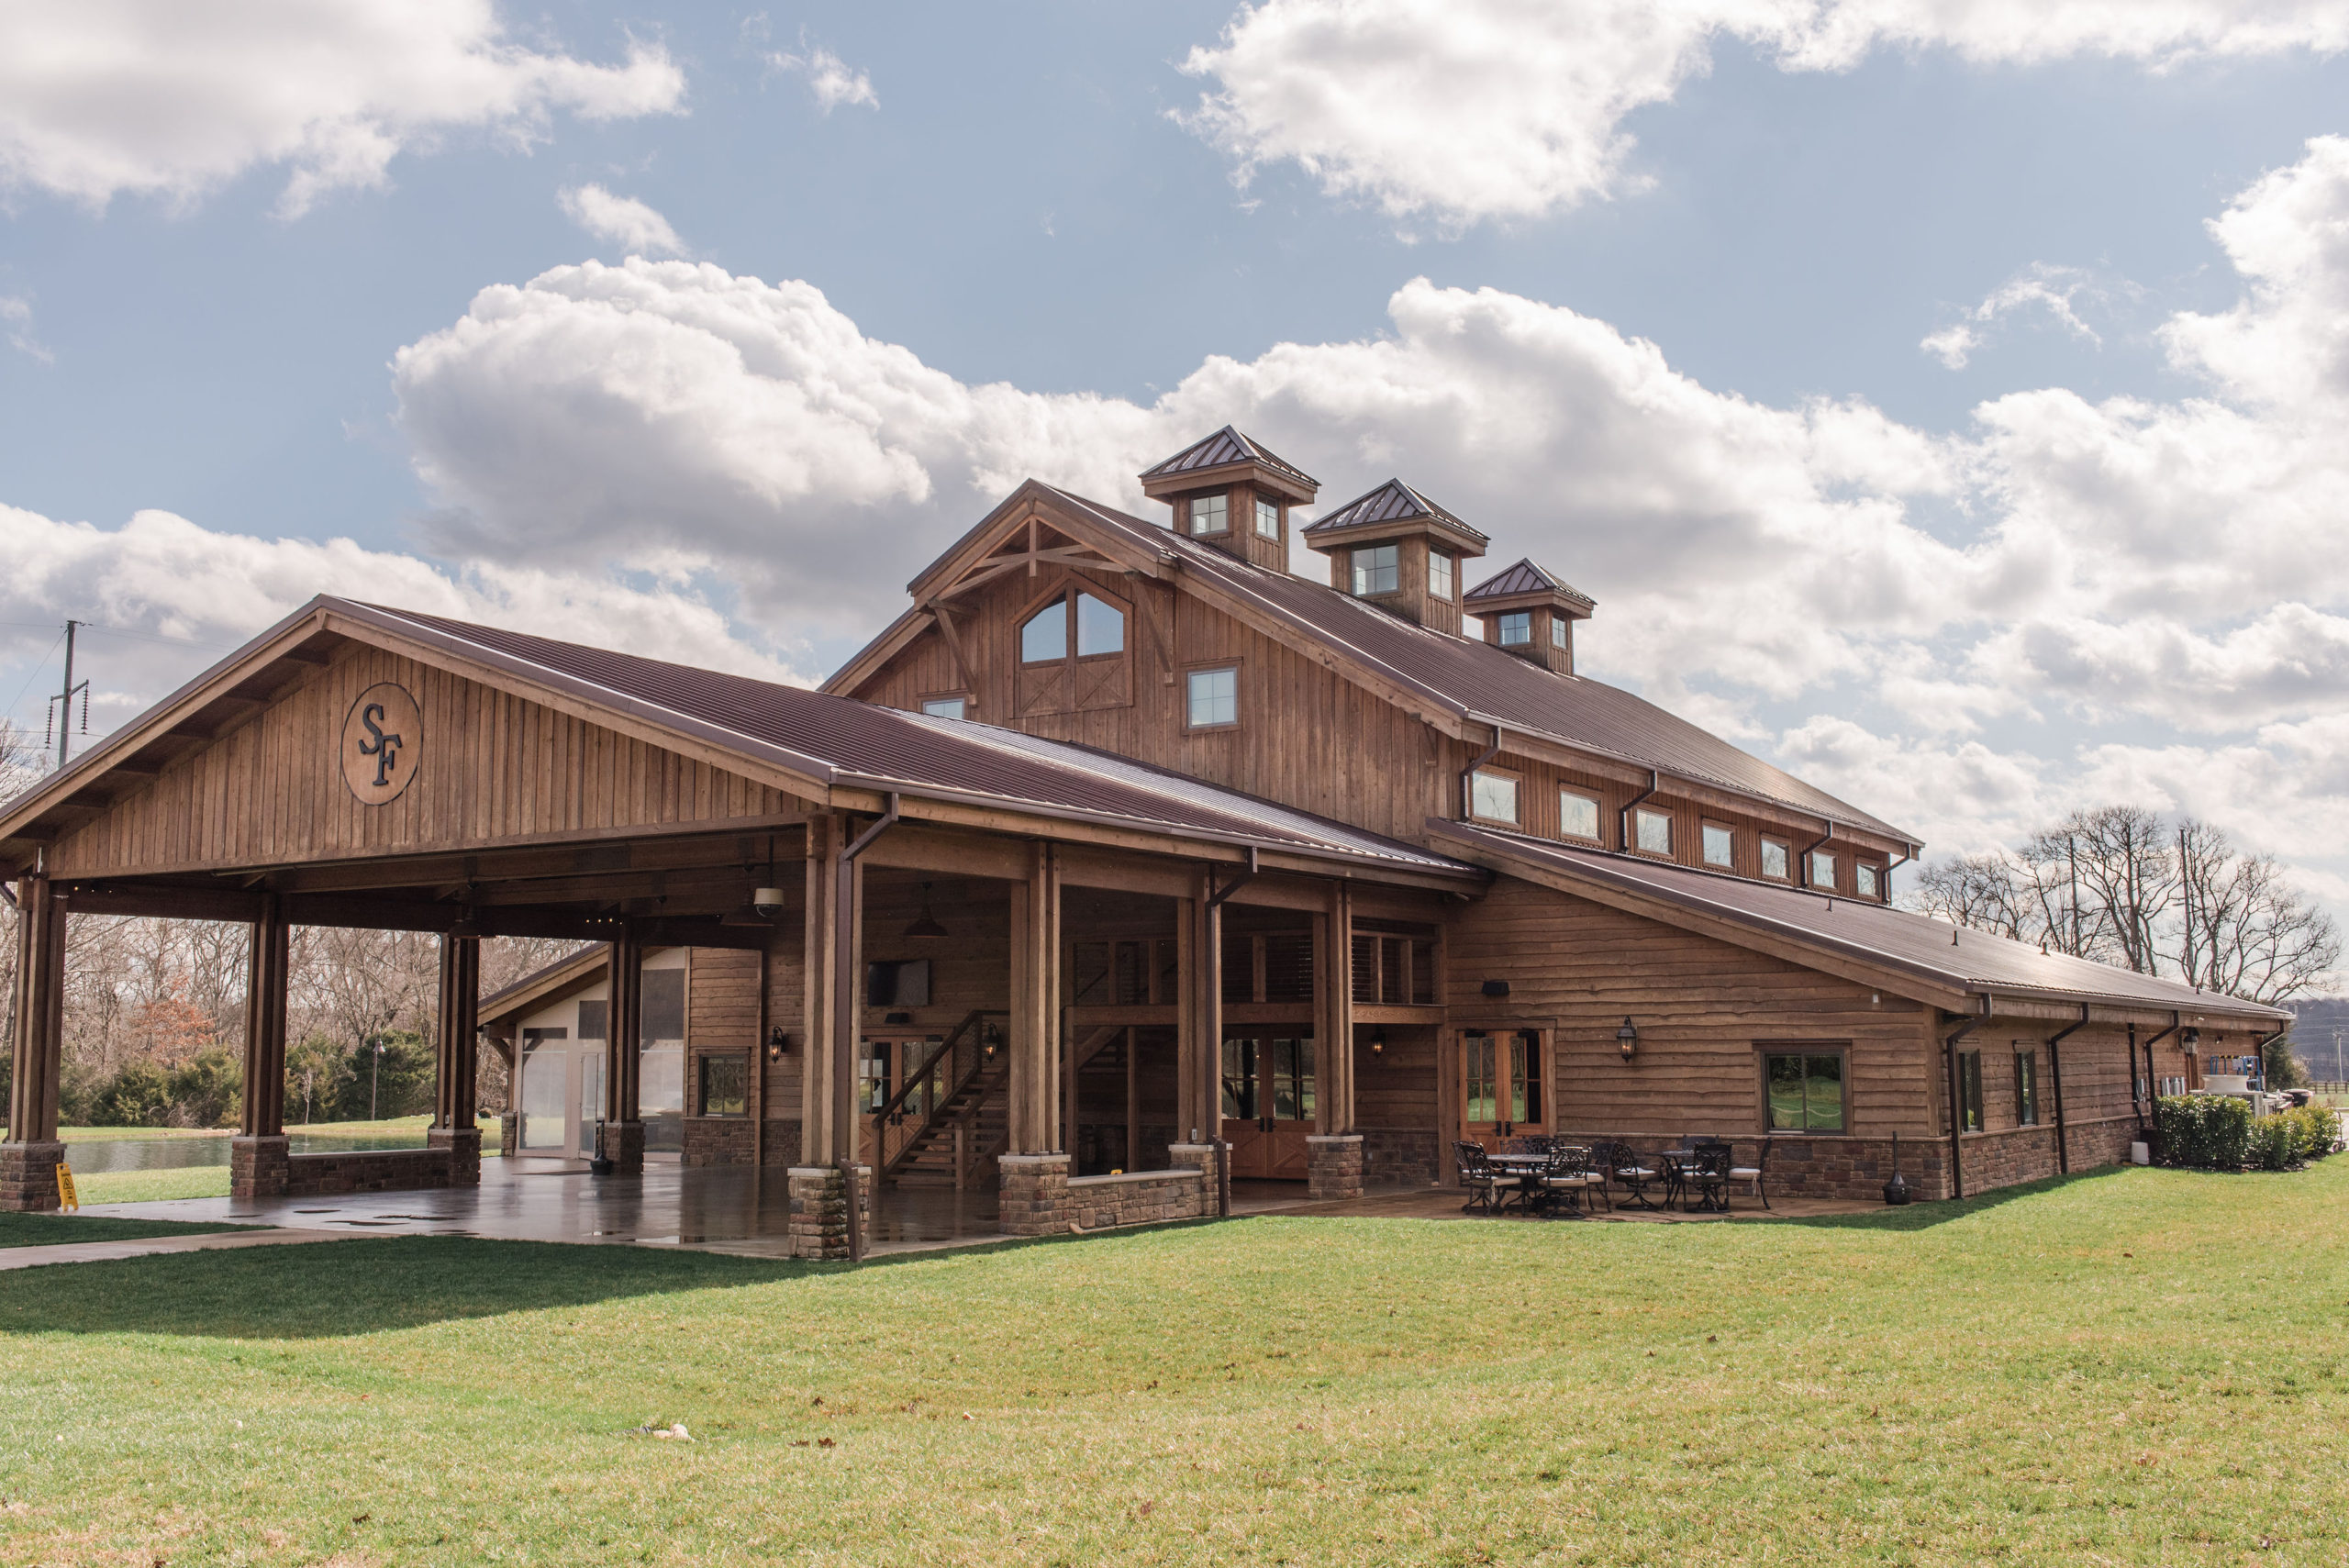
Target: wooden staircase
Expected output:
[960,1143]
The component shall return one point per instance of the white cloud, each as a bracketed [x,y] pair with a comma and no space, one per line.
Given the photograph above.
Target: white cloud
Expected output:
[2054,290]
[637,228]
[16,320]
[161,576]
[1470,109]
[831,78]
[104,97]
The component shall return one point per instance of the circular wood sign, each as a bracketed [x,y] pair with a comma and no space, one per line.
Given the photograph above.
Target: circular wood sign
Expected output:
[382,737]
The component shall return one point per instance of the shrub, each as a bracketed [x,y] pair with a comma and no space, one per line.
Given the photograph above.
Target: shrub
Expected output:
[2273,1141]
[2315,1129]
[2204,1132]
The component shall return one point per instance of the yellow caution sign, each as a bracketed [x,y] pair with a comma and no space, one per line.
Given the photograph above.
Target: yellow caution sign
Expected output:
[66,1196]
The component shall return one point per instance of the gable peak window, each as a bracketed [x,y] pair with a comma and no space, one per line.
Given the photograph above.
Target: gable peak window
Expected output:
[1214,698]
[1378,570]
[945,707]
[1493,796]
[1209,514]
[1439,575]
[1044,639]
[1516,629]
[1073,653]
[1268,518]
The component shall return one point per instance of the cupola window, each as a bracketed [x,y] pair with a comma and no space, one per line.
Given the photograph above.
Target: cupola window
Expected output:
[1377,570]
[1209,516]
[1439,575]
[1516,629]
[1268,518]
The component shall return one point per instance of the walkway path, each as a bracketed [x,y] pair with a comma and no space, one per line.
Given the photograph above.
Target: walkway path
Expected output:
[148,1246]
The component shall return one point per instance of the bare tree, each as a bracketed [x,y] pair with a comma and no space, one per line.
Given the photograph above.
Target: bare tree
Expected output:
[1982,893]
[2243,929]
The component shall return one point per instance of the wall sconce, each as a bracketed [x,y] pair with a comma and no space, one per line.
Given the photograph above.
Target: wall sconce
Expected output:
[990,1041]
[1496,988]
[2189,1040]
[1628,1038]
[1378,1043]
[777,1043]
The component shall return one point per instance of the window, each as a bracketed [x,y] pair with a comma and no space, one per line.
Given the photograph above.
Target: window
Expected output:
[1100,627]
[661,1010]
[1654,831]
[1822,870]
[1870,878]
[1719,842]
[592,1016]
[1215,698]
[725,1084]
[1268,518]
[1774,858]
[897,983]
[1969,1091]
[1439,575]
[2026,1089]
[1804,1091]
[1558,625]
[1578,814]
[1516,629]
[1044,639]
[945,707]
[1209,516]
[1493,796]
[1377,570]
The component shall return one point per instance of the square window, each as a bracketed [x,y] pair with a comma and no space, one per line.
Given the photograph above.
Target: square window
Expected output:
[1439,575]
[1516,629]
[1377,570]
[1719,842]
[1493,796]
[1209,515]
[944,707]
[1215,698]
[1822,870]
[725,1081]
[1804,1092]
[1268,518]
[1578,814]
[1655,832]
[1775,861]
[1871,884]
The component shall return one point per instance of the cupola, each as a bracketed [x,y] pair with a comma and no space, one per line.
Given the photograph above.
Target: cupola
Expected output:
[1529,612]
[1395,549]
[1229,492]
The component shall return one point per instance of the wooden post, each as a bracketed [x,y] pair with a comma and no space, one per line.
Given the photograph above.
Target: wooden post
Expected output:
[622,1141]
[1333,976]
[1199,1050]
[1036,1050]
[456,1060]
[819,1144]
[266,963]
[1133,1106]
[36,1044]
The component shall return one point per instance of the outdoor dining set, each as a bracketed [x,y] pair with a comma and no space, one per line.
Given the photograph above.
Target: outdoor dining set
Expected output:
[1552,1178]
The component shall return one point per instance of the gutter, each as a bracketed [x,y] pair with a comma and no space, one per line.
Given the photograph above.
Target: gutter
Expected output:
[845,1006]
[1623,817]
[1949,1053]
[2055,1072]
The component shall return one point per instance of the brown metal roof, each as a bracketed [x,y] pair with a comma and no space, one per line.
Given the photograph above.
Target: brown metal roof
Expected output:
[840,740]
[1482,685]
[1524,577]
[1391,502]
[1976,962]
[1226,446]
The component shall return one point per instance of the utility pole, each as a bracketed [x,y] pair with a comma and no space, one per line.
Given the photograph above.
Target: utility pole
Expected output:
[61,705]
[374,1076]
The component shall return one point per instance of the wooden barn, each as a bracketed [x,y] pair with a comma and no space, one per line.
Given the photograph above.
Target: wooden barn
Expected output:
[1124,865]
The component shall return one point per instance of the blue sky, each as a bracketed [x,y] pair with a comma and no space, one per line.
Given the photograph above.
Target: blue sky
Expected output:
[1672,341]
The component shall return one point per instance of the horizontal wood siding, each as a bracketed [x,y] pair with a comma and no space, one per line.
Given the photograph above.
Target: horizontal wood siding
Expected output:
[491,769]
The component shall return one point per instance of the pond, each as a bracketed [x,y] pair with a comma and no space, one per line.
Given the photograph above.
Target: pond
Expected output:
[90,1157]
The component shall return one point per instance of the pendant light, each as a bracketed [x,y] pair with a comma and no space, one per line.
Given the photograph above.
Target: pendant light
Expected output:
[925,925]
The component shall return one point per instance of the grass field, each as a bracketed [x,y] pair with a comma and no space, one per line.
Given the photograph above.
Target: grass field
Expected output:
[55,1229]
[212,1181]
[2138,1366]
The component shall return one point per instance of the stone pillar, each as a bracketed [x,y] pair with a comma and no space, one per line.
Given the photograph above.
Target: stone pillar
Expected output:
[620,1139]
[1035,1194]
[1035,1090]
[1334,1167]
[37,1044]
[1214,1175]
[260,1167]
[463,1144]
[819,1217]
[509,1134]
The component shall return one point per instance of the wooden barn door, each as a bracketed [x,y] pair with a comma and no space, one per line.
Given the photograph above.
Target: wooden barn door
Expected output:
[1504,1091]
[1268,1098]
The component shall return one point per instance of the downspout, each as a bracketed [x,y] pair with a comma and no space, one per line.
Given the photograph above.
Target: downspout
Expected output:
[2259,1052]
[2055,1071]
[2153,1084]
[846,1005]
[1949,1053]
[1803,864]
[1468,777]
[1623,817]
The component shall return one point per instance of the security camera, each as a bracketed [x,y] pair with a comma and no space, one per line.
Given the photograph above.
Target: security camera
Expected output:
[768,900]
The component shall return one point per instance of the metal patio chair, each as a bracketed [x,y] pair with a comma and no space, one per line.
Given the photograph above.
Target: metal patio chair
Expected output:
[1757,1174]
[1626,1168]
[1489,1189]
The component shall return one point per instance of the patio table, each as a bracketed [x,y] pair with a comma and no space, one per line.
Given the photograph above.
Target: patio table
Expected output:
[1532,1168]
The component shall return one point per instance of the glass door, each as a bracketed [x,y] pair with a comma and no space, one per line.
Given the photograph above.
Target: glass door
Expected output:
[1502,1083]
[1268,1105]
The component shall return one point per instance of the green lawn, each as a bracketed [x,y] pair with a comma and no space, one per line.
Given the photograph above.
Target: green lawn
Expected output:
[2138,1366]
[55,1229]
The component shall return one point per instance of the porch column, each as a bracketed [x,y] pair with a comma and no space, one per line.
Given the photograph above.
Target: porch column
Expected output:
[621,1139]
[1199,1045]
[36,1047]
[1334,972]
[1035,1087]
[259,1166]
[456,1061]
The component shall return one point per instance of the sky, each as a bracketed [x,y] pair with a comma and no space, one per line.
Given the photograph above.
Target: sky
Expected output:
[1948,401]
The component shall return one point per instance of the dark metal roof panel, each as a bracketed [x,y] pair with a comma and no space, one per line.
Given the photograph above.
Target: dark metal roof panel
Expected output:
[1482,683]
[1974,962]
[1391,502]
[1226,446]
[1525,577]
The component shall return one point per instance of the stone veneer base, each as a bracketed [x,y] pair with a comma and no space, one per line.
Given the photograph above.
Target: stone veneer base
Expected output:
[622,1142]
[1334,1167]
[29,1175]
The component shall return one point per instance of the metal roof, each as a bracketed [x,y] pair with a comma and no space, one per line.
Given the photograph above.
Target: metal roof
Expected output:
[1977,963]
[841,741]
[1391,502]
[1226,446]
[1483,685]
[1525,577]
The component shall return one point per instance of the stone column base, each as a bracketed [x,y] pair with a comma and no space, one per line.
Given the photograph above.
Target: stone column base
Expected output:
[1334,1167]
[622,1142]
[1202,1155]
[1035,1194]
[818,1220]
[510,1135]
[463,1144]
[29,1175]
[260,1167]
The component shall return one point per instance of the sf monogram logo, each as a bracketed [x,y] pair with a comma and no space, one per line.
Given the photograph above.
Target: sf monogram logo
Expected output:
[382,737]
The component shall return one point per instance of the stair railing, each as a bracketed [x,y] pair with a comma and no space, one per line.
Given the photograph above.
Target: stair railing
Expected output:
[921,1100]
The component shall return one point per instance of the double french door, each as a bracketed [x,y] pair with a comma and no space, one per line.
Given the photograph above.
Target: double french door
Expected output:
[1503,1086]
[1268,1105]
